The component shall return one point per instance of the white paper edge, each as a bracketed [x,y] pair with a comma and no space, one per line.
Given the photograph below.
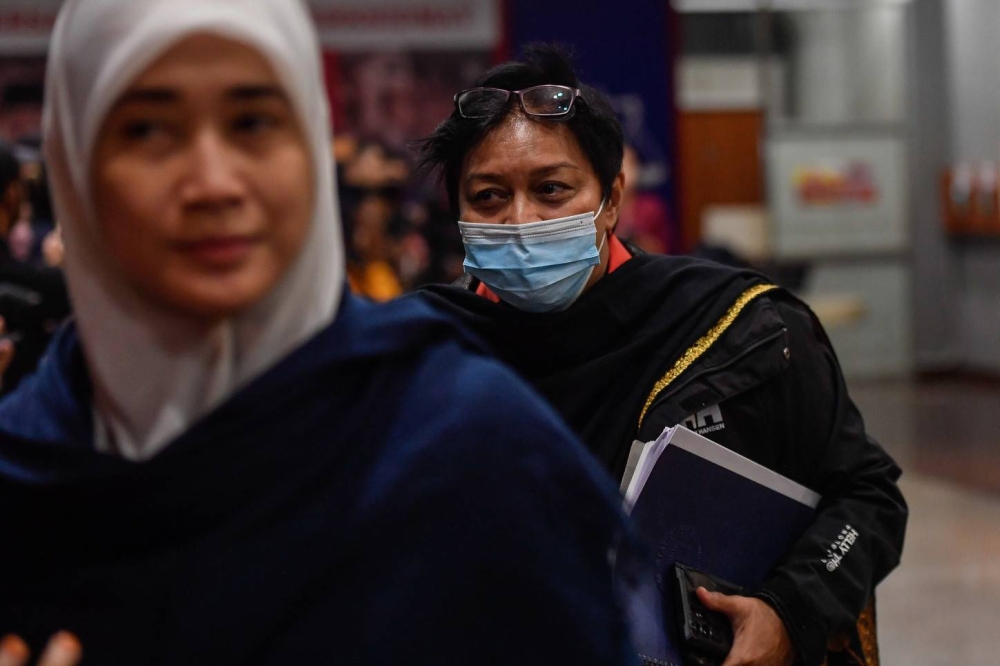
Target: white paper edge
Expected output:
[650,454]
[638,478]
[631,465]
[716,453]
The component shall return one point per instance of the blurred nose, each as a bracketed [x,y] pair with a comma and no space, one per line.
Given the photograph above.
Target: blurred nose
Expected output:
[523,211]
[213,179]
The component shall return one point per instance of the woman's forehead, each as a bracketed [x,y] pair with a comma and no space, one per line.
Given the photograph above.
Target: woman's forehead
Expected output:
[203,57]
[521,142]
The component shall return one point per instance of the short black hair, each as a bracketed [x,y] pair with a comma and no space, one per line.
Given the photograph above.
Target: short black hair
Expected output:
[592,119]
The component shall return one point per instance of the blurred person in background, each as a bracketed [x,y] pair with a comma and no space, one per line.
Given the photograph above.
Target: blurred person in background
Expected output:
[389,221]
[643,219]
[371,183]
[47,241]
[33,300]
[37,220]
[625,343]
[12,194]
[370,268]
[53,250]
[227,459]
[21,238]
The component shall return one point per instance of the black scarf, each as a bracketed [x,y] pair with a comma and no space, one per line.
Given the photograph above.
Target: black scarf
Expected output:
[597,362]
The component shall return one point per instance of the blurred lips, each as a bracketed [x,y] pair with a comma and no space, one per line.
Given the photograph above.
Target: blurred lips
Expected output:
[219,251]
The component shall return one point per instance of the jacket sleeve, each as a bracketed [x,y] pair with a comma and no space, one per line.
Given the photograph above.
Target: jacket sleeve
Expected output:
[857,536]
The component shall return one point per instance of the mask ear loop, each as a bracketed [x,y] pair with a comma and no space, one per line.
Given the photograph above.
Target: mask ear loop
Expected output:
[597,215]
[599,248]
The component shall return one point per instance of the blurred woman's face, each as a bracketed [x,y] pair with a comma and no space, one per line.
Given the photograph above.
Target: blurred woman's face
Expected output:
[202,179]
[527,171]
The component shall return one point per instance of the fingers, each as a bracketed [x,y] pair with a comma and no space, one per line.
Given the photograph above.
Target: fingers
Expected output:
[732,607]
[759,635]
[13,651]
[63,650]
[729,604]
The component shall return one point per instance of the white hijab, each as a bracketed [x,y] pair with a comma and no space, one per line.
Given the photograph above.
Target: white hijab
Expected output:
[154,373]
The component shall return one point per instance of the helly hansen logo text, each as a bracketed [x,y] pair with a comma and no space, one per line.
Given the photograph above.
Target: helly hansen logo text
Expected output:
[839,548]
[706,421]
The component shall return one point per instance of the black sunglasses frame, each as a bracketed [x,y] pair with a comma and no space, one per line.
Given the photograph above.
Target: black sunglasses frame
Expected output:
[575,92]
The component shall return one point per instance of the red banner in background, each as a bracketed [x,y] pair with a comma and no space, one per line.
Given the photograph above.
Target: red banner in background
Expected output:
[392,65]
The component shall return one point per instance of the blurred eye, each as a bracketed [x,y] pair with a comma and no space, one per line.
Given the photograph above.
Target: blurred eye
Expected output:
[143,130]
[255,123]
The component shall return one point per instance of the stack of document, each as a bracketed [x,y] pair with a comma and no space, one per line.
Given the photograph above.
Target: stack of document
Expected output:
[644,456]
[700,504]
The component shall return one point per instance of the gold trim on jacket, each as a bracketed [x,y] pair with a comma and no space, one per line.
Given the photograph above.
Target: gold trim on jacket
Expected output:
[704,343]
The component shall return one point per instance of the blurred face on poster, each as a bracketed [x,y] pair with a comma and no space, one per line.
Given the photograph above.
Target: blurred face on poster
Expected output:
[395,97]
[384,97]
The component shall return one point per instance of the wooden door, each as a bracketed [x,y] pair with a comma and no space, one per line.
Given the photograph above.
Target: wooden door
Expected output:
[719,162]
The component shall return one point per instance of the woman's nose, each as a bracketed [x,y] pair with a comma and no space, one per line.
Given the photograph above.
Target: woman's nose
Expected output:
[523,211]
[214,176]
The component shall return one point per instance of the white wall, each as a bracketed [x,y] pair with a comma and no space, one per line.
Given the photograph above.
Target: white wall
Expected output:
[849,66]
[973,56]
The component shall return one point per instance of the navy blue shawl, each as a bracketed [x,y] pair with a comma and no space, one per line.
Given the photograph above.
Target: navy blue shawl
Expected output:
[386,494]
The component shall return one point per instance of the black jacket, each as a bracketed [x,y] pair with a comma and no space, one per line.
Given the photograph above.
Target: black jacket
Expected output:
[747,365]
[770,388]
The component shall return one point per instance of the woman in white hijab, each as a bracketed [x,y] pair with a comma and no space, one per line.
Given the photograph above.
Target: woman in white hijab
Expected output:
[227,459]
[254,294]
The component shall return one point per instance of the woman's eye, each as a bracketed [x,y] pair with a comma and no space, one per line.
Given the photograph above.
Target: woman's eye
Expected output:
[551,189]
[486,196]
[143,130]
[254,123]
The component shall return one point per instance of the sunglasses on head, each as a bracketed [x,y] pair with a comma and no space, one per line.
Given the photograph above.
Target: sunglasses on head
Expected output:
[544,101]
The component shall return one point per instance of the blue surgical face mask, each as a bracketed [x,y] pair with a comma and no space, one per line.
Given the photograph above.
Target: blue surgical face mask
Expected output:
[536,267]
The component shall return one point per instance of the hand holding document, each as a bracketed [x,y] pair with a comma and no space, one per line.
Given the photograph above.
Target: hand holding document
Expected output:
[698,504]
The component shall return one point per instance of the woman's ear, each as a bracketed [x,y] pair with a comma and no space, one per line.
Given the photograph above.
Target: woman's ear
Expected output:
[613,207]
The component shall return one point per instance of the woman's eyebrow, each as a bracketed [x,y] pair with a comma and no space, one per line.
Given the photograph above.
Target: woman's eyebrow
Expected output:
[550,168]
[149,96]
[157,95]
[482,176]
[538,172]
[254,92]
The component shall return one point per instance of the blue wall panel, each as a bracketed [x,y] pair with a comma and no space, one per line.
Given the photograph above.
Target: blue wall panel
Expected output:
[625,48]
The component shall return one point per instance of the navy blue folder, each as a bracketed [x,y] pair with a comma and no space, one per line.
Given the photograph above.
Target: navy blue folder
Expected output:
[712,509]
